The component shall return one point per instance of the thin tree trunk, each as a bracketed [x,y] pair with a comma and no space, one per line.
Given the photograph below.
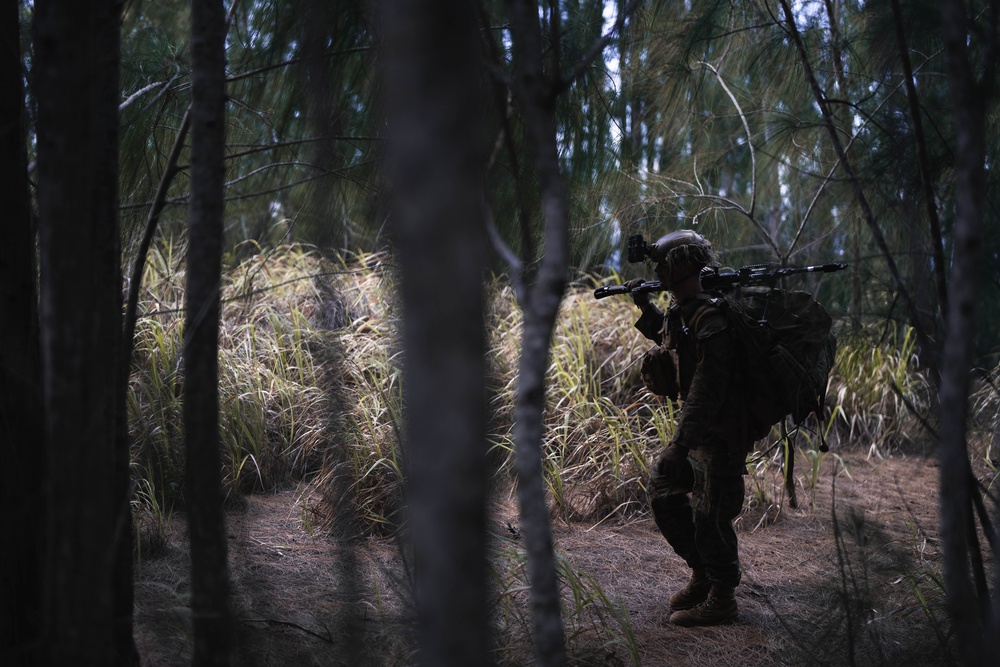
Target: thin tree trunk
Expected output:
[108,40]
[76,77]
[149,233]
[210,606]
[435,92]
[536,91]
[23,472]
[540,307]
[923,162]
[975,633]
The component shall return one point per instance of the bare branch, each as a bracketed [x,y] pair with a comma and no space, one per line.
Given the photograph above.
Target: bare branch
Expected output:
[142,91]
[139,263]
[746,128]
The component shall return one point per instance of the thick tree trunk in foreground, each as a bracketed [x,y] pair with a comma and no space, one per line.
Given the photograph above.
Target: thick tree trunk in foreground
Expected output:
[434,91]
[21,450]
[973,619]
[211,616]
[76,77]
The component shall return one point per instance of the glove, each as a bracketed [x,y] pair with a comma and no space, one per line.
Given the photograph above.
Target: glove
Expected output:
[673,466]
[640,299]
[659,373]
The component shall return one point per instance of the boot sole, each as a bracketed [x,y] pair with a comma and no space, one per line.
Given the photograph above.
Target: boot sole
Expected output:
[685,607]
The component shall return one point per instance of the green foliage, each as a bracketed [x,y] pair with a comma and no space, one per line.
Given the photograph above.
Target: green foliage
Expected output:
[301,130]
[701,115]
[873,380]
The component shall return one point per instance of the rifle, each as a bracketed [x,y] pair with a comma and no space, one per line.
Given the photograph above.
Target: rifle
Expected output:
[724,279]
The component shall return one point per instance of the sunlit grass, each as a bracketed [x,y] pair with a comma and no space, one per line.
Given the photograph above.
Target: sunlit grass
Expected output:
[311,392]
[873,379]
[311,397]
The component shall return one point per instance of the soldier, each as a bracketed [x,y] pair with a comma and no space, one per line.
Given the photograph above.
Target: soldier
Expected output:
[696,486]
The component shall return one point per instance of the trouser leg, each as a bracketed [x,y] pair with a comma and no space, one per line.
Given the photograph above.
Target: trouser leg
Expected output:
[674,516]
[675,519]
[715,506]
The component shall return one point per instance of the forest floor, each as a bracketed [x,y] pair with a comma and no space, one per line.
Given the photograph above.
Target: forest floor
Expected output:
[848,578]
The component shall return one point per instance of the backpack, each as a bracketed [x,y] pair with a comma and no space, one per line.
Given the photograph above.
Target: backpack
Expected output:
[787,352]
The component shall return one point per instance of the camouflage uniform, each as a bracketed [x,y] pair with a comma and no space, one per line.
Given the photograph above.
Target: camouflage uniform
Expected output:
[696,515]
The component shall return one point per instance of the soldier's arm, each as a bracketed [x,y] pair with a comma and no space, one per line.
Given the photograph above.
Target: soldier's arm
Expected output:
[650,323]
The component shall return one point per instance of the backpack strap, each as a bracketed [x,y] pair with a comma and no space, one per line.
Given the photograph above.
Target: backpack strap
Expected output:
[708,319]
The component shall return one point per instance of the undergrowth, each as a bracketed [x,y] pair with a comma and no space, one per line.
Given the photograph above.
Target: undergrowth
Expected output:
[311,390]
[311,395]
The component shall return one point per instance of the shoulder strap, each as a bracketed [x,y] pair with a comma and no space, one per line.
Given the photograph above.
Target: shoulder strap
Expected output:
[708,305]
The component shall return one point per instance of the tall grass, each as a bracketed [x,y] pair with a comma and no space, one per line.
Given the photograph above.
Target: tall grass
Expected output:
[290,319]
[876,384]
[311,391]
[311,395]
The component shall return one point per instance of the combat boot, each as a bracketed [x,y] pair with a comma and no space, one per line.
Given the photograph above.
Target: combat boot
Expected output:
[718,607]
[693,594]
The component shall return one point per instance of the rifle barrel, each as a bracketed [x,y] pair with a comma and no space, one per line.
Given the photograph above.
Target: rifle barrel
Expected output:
[712,278]
[648,286]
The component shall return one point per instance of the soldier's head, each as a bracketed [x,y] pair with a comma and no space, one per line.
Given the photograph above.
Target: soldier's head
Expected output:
[680,256]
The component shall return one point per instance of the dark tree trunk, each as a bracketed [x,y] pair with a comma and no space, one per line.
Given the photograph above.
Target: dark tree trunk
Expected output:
[76,79]
[23,471]
[974,620]
[212,619]
[923,163]
[434,95]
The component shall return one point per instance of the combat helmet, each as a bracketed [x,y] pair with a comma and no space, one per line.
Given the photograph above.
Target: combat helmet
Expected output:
[682,247]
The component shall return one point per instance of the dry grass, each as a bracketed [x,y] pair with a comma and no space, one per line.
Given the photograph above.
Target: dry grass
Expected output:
[311,396]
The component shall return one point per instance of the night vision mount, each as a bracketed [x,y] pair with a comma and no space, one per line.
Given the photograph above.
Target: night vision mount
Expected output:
[638,249]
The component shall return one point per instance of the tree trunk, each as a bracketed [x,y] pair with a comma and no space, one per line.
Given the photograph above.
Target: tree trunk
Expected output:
[211,616]
[975,630]
[537,96]
[76,77]
[20,393]
[923,163]
[435,93]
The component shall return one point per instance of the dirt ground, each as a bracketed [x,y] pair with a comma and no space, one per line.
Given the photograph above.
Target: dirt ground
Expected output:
[855,586]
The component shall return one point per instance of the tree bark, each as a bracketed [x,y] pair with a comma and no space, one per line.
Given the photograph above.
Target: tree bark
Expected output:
[540,296]
[975,631]
[536,95]
[434,91]
[923,161]
[211,616]
[20,382]
[88,520]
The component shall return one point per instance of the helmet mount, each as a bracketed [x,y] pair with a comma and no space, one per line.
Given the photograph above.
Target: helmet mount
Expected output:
[674,250]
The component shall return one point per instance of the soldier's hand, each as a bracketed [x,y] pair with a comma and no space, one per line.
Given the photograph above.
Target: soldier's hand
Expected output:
[640,299]
[659,373]
[673,462]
